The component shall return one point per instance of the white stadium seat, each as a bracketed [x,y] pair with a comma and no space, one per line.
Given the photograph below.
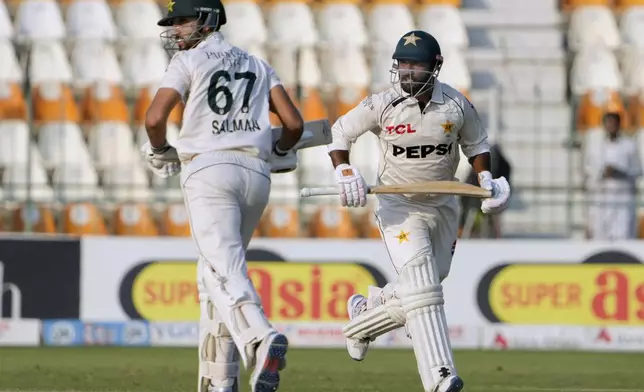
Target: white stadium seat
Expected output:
[632,27]
[245,26]
[49,63]
[284,189]
[6,29]
[138,19]
[10,70]
[387,23]
[95,61]
[444,22]
[111,144]
[349,67]
[342,25]
[315,166]
[381,66]
[76,182]
[595,68]
[61,144]
[284,61]
[309,74]
[90,19]
[39,20]
[18,176]
[593,26]
[291,24]
[143,63]
[455,72]
[14,141]
[633,71]
[366,155]
[128,182]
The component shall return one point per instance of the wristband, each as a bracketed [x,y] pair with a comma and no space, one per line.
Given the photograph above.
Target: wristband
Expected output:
[162,149]
[278,151]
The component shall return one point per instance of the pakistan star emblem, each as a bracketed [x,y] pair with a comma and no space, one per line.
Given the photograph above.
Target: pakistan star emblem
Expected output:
[170,5]
[402,237]
[411,39]
[447,127]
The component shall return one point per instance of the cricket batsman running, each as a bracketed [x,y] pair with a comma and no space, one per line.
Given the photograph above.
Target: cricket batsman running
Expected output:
[225,154]
[421,123]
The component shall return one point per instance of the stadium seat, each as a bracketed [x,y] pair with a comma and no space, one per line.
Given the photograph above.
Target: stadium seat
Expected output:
[49,63]
[137,19]
[10,69]
[569,5]
[14,141]
[332,222]
[280,221]
[12,101]
[593,26]
[594,69]
[143,101]
[6,28]
[636,111]
[39,20]
[369,225]
[83,219]
[315,167]
[453,3]
[62,143]
[455,72]
[346,98]
[94,61]
[175,221]
[284,189]
[623,5]
[90,19]
[40,218]
[103,102]
[172,134]
[134,220]
[76,182]
[341,24]
[632,27]
[22,180]
[595,104]
[386,23]
[284,60]
[143,64]
[54,102]
[111,144]
[245,27]
[312,106]
[444,22]
[127,183]
[290,24]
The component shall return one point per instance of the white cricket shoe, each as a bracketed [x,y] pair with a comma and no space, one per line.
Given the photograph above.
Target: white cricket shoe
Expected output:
[450,384]
[270,359]
[357,348]
[223,389]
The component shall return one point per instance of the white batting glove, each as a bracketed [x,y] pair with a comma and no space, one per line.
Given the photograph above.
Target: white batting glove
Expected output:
[353,189]
[164,161]
[282,161]
[500,193]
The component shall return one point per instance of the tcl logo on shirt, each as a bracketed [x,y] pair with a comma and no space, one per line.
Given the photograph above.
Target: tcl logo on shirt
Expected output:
[422,151]
[400,129]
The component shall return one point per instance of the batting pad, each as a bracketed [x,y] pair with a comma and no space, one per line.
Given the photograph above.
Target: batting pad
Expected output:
[422,301]
[238,306]
[218,355]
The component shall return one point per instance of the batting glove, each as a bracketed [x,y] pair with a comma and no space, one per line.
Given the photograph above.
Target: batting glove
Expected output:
[353,189]
[500,193]
[163,161]
[282,161]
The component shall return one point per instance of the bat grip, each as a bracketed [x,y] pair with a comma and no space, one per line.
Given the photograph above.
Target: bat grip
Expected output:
[322,191]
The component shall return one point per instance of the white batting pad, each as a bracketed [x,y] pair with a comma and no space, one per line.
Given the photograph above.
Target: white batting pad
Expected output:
[218,355]
[384,313]
[421,297]
[239,307]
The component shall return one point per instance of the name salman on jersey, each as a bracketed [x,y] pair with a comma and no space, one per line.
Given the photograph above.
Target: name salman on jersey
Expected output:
[236,125]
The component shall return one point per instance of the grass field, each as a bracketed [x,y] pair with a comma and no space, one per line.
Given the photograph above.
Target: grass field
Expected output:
[173,370]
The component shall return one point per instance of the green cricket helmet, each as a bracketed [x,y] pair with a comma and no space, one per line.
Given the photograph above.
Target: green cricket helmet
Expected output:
[205,17]
[417,62]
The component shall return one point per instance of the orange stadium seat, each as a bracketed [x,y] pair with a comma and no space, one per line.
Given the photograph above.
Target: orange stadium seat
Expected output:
[143,101]
[134,220]
[455,3]
[292,92]
[175,221]
[594,105]
[104,102]
[257,233]
[83,219]
[12,102]
[280,222]
[636,111]
[369,225]
[313,107]
[567,5]
[623,4]
[346,98]
[332,222]
[41,219]
[54,102]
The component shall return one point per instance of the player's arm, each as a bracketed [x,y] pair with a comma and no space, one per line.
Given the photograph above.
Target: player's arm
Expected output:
[292,122]
[473,141]
[174,85]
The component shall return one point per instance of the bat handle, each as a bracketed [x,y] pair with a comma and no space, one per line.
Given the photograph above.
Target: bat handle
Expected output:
[322,191]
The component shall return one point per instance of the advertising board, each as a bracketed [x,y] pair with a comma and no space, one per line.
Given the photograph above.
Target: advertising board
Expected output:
[68,332]
[19,332]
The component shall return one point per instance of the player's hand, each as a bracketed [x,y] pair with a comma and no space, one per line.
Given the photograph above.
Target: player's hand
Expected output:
[353,189]
[164,162]
[282,161]
[500,193]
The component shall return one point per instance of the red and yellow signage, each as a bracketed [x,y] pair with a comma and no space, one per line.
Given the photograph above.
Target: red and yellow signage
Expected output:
[166,291]
[583,294]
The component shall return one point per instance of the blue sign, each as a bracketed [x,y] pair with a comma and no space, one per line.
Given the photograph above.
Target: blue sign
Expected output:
[78,333]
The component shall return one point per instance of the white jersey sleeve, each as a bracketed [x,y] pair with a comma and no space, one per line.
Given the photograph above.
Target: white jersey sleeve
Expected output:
[177,76]
[472,135]
[359,120]
[273,79]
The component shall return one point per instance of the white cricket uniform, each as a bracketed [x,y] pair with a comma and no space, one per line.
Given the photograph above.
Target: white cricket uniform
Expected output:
[416,147]
[224,144]
[612,208]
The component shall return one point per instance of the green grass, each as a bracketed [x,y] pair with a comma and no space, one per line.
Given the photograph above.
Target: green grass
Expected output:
[173,370]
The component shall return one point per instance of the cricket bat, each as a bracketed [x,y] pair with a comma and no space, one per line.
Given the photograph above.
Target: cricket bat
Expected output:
[316,133]
[430,187]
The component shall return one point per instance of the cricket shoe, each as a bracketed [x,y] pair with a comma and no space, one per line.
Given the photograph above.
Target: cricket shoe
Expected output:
[223,389]
[271,358]
[450,384]
[357,348]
